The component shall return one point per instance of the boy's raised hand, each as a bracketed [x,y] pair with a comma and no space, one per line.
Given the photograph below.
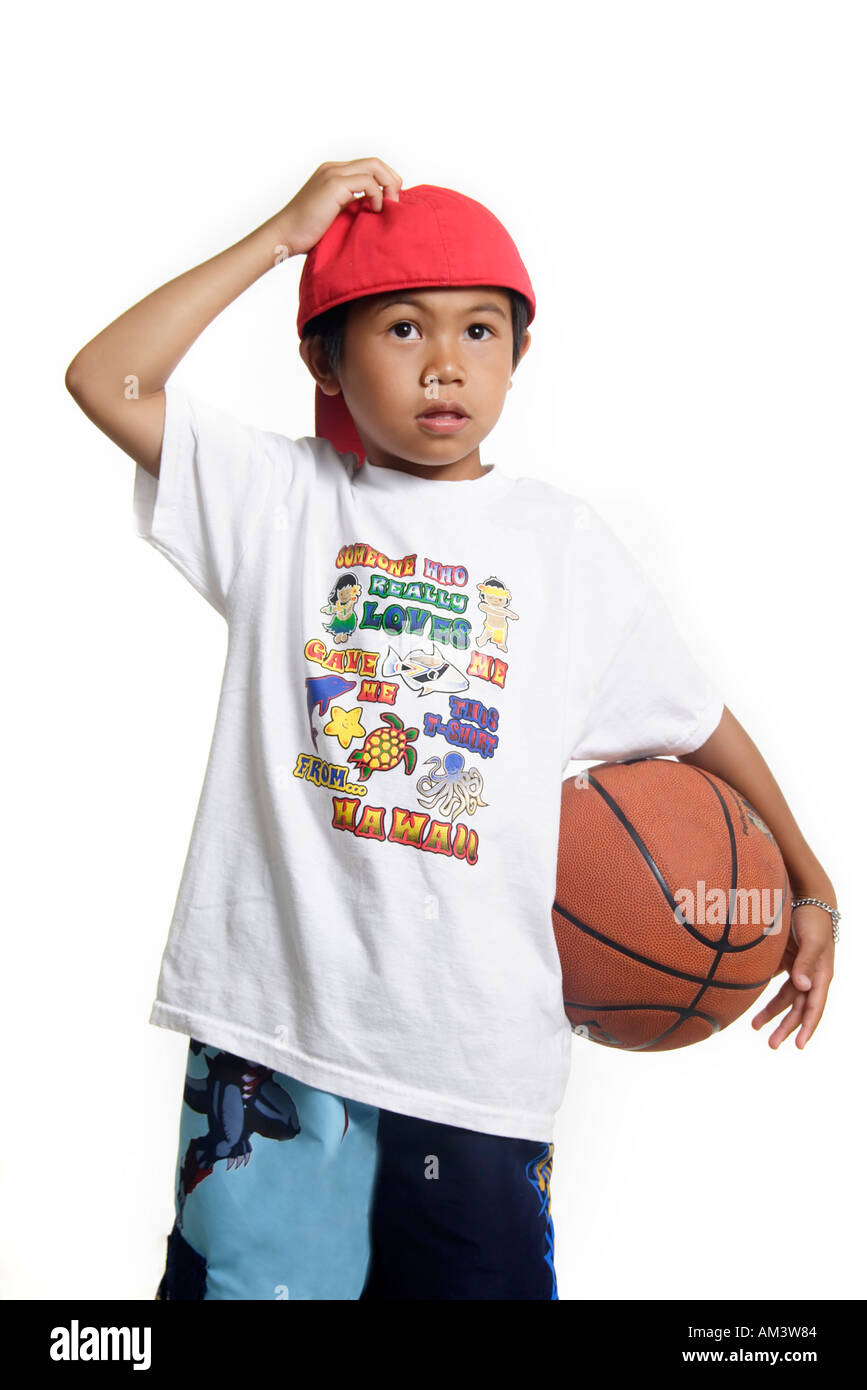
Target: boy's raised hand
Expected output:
[313,209]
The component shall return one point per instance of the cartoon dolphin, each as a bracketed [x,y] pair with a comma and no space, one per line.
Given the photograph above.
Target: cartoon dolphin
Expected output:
[321,690]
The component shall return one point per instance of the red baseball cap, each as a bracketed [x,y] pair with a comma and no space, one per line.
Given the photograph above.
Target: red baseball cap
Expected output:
[431,236]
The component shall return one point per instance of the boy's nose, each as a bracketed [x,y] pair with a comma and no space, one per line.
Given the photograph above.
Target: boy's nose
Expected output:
[443,375]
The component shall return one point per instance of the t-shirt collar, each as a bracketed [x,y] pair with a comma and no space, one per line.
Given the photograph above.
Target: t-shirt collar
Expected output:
[371,477]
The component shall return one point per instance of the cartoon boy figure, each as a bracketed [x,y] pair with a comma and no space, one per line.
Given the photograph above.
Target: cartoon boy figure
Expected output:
[494,603]
[341,604]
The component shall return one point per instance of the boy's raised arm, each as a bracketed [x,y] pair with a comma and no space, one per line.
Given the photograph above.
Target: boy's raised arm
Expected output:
[118,377]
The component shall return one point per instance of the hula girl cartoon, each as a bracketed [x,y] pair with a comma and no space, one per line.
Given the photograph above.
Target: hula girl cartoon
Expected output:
[341,604]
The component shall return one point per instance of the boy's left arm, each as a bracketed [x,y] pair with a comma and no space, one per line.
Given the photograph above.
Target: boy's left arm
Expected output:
[730,753]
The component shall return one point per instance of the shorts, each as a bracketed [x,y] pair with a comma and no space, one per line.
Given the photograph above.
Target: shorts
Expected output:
[284,1191]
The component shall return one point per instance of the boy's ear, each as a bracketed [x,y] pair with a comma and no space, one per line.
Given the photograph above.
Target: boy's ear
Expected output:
[524,347]
[315,358]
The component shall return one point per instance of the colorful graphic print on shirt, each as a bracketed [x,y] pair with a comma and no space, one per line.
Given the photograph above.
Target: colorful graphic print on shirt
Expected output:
[437,634]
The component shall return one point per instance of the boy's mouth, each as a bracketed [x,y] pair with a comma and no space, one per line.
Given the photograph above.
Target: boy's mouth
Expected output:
[448,409]
[444,417]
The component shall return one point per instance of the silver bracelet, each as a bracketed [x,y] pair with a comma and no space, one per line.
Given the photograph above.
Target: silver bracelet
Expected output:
[835,915]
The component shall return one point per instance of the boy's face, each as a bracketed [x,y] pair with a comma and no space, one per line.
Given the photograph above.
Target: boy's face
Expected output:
[408,351]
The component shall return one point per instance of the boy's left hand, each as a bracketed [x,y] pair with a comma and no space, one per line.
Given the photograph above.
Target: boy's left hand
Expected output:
[811,969]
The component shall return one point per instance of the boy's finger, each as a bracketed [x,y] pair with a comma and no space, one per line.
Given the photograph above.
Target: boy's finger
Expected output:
[775,1006]
[789,1023]
[389,179]
[815,1007]
[350,185]
[806,964]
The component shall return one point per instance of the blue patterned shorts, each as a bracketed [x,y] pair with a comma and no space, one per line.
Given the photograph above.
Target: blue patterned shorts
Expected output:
[288,1192]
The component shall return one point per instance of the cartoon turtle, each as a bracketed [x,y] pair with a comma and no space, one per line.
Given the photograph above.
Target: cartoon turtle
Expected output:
[384,748]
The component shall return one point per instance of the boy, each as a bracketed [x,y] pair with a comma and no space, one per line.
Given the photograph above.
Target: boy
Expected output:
[362,951]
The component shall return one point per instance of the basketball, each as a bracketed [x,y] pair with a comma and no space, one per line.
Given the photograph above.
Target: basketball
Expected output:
[673,904]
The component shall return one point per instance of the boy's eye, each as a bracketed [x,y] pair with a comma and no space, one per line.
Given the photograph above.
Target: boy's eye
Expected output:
[404,323]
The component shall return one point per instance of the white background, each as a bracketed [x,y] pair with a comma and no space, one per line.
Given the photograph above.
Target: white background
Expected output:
[685,182]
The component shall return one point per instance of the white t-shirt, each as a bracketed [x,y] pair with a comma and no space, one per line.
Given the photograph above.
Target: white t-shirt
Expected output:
[411,664]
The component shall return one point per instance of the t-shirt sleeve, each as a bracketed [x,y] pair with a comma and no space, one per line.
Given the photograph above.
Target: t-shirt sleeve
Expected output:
[638,689]
[214,480]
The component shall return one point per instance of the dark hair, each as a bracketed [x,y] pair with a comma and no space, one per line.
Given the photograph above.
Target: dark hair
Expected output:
[329,326]
[341,583]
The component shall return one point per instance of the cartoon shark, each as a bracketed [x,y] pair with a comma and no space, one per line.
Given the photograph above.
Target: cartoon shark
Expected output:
[424,671]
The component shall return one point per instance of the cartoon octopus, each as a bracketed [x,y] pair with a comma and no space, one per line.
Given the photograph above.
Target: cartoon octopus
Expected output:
[457,789]
[341,604]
